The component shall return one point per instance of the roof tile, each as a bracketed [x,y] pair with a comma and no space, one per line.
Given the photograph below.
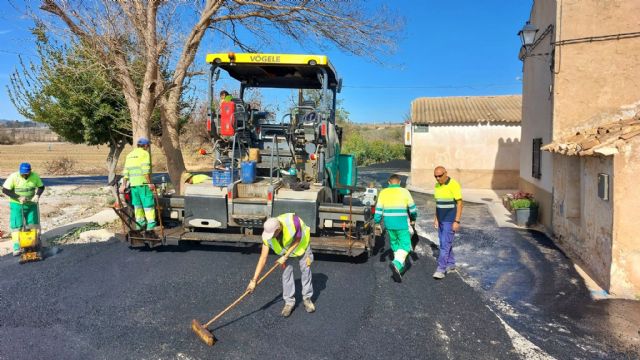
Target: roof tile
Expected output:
[467,109]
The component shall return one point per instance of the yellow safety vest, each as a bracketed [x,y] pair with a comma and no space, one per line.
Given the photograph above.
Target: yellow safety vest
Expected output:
[288,236]
[200,178]
[136,166]
[21,186]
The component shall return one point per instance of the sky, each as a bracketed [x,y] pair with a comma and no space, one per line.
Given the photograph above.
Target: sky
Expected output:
[448,48]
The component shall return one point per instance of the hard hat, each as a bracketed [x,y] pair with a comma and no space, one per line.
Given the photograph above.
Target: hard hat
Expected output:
[270,227]
[143,141]
[186,176]
[25,168]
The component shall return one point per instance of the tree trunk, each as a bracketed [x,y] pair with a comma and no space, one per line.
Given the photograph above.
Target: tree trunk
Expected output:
[170,142]
[115,149]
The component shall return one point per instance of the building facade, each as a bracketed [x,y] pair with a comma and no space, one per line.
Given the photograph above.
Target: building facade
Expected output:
[475,137]
[580,97]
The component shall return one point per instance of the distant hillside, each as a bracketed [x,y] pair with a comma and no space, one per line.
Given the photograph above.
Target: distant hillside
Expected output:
[20,124]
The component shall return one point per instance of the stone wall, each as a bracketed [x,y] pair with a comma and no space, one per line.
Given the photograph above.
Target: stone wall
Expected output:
[582,222]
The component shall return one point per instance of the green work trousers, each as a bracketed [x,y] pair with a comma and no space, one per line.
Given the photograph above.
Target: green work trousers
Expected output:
[30,215]
[400,242]
[144,207]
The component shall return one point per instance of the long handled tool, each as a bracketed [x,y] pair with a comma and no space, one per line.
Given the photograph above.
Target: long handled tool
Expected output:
[159,215]
[206,335]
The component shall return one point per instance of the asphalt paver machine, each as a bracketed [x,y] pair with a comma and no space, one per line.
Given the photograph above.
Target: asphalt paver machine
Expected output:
[265,168]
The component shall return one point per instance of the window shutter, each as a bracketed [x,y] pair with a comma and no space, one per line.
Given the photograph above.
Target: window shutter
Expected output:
[535,158]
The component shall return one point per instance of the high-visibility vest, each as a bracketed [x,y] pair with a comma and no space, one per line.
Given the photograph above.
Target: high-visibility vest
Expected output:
[395,204]
[21,186]
[447,196]
[136,166]
[288,234]
[200,178]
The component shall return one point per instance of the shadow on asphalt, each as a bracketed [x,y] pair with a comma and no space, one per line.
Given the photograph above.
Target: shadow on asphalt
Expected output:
[319,284]
[275,300]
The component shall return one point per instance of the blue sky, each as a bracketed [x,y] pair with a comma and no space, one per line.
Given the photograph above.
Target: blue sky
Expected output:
[449,48]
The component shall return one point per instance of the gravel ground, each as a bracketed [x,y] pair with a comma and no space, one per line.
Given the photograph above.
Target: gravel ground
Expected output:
[59,205]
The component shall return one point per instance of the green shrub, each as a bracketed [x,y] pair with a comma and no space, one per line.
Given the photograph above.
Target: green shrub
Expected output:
[523,203]
[371,152]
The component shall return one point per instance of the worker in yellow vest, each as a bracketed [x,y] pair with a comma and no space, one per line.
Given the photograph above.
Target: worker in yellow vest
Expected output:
[396,206]
[190,178]
[280,234]
[24,188]
[137,174]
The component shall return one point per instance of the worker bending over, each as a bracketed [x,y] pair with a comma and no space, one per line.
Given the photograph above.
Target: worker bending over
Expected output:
[24,188]
[137,173]
[280,234]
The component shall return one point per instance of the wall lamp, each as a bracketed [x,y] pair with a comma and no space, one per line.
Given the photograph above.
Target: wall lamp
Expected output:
[527,36]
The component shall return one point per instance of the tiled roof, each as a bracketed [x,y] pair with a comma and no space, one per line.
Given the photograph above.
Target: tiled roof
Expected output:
[467,109]
[605,139]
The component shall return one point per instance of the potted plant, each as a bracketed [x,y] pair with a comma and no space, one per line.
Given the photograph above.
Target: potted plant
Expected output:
[525,208]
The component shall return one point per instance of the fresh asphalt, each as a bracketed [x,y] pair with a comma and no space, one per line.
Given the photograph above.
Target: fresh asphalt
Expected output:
[107,301]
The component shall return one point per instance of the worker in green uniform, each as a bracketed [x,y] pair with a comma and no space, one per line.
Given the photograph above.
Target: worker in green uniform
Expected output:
[137,174]
[24,188]
[396,206]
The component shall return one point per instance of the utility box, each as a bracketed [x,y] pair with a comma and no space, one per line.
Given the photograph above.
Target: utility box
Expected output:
[347,172]
[603,186]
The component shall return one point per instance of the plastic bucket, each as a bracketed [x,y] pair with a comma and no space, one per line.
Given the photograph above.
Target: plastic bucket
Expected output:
[248,169]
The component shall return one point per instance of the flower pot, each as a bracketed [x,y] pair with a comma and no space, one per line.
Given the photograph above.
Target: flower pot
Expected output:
[526,216]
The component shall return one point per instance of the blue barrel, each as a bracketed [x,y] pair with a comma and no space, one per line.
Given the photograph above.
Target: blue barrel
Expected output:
[248,169]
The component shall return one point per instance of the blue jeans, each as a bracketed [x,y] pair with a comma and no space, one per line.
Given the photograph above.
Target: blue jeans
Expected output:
[446,234]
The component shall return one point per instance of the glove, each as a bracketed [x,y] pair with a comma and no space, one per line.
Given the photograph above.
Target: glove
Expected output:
[36,199]
[152,187]
[282,260]
[252,286]
[22,199]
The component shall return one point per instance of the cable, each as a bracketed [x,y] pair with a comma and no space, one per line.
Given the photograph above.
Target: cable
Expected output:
[427,87]
[597,38]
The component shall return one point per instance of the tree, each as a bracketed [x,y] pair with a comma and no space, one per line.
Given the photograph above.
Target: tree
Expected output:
[76,98]
[151,32]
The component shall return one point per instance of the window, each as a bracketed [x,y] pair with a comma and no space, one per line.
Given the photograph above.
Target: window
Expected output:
[535,158]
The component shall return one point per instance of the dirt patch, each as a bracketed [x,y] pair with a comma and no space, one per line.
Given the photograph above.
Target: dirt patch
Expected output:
[87,160]
[60,205]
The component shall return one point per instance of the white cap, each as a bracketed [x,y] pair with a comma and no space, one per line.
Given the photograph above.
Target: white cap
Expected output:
[270,227]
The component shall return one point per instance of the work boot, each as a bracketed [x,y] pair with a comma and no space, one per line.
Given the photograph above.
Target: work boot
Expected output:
[438,275]
[308,305]
[450,268]
[286,310]
[395,272]
[16,249]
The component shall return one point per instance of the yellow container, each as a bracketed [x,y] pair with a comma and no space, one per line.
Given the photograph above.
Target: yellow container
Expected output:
[254,154]
[28,238]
